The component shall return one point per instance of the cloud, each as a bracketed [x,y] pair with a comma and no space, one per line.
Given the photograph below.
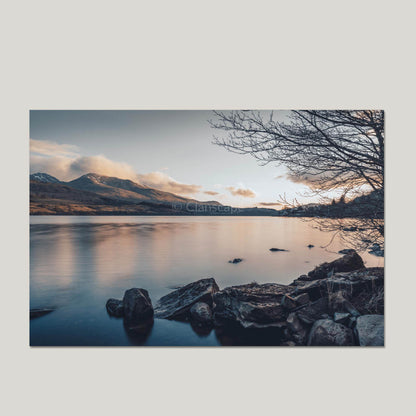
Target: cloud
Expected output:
[66,169]
[47,148]
[246,193]
[270,204]
[213,193]
[163,182]
[65,163]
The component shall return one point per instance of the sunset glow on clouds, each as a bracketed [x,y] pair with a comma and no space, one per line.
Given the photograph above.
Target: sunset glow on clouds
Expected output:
[164,182]
[64,162]
[245,193]
[169,150]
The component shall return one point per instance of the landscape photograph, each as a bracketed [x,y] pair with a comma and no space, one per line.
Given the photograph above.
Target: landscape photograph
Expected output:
[207,228]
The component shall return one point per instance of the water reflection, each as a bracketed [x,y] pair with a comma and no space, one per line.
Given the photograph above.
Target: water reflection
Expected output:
[138,332]
[77,263]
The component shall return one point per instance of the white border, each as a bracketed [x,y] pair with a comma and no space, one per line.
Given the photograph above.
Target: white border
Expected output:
[203,55]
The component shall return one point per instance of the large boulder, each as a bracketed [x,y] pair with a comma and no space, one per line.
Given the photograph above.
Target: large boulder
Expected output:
[370,330]
[350,283]
[347,263]
[177,304]
[326,332]
[137,305]
[297,330]
[252,305]
[313,311]
[115,307]
[338,303]
[201,314]
[341,317]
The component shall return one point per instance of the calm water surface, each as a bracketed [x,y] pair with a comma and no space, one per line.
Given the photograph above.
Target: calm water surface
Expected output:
[77,263]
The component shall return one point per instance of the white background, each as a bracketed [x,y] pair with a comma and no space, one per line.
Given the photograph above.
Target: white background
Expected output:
[205,55]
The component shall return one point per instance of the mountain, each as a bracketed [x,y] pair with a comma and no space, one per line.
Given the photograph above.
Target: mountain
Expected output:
[43,177]
[93,194]
[126,190]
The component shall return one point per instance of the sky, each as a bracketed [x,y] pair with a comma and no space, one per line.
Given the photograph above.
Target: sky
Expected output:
[169,150]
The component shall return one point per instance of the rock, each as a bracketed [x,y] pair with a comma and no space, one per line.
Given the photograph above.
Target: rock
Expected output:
[302,299]
[341,317]
[297,331]
[378,253]
[325,332]
[177,304]
[301,278]
[312,312]
[310,246]
[251,306]
[315,290]
[370,330]
[37,313]
[339,303]
[277,249]
[115,307]
[347,263]
[352,322]
[346,251]
[288,302]
[201,314]
[137,305]
[235,261]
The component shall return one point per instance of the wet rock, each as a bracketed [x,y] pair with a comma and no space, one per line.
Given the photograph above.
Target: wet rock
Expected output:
[302,299]
[177,304]
[115,307]
[296,330]
[352,321]
[277,249]
[288,302]
[339,303]
[326,332]
[37,313]
[251,306]
[370,330]
[315,290]
[347,263]
[137,305]
[235,261]
[346,251]
[312,312]
[341,318]
[201,314]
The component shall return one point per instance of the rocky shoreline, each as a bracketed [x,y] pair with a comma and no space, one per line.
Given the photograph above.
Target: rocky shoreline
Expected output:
[340,303]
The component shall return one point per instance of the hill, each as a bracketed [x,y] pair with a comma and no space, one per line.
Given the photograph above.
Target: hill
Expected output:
[94,194]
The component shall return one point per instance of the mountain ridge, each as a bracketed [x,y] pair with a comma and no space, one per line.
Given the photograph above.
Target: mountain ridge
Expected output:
[93,194]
